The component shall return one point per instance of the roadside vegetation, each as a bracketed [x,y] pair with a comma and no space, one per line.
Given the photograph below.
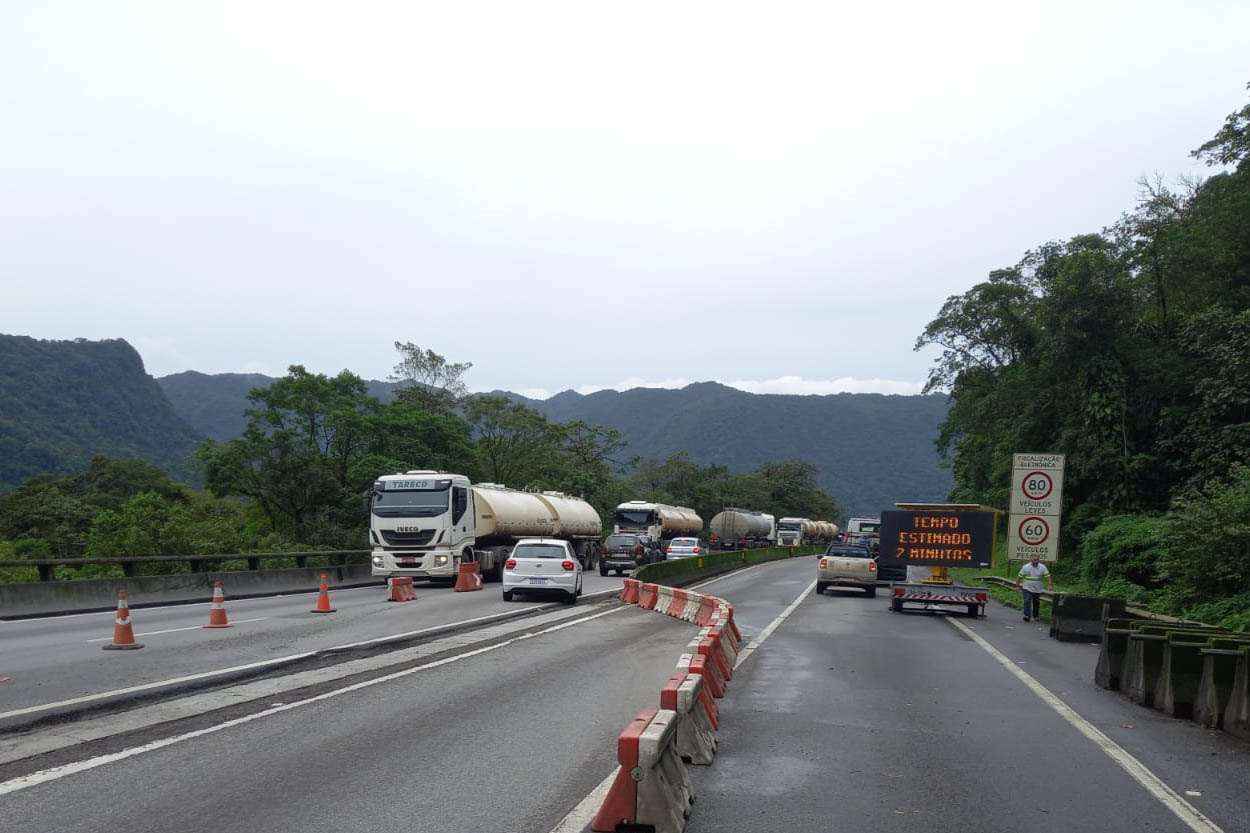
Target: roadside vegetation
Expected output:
[1128,350]
[293,482]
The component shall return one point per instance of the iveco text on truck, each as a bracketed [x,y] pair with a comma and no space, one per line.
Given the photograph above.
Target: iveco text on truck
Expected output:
[424,523]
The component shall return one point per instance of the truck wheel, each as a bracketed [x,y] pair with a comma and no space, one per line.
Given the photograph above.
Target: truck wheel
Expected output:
[972,611]
[820,587]
[896,606]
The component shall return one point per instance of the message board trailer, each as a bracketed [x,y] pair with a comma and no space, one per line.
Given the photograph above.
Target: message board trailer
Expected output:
[934,537]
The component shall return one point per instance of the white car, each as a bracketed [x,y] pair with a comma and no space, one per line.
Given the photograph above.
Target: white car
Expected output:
[682,548]
[542,565]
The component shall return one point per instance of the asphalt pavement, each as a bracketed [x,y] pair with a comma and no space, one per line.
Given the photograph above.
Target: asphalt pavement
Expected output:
[55,659]
[853,717]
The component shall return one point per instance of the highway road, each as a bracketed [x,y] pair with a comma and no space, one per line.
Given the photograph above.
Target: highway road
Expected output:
[841,716]
[55,659]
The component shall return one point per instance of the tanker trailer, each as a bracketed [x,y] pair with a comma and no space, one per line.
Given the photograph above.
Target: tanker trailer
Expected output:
[770,537]
[424,523]
[739,528]
[577,521]
[810,531]
[658,522]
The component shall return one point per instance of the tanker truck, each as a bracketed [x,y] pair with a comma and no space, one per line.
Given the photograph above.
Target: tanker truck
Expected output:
[793,532]
[424,523]
[739,529]
[657,521]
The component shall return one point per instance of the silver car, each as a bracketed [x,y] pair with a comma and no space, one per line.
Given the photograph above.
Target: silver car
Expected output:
[542,565]
[683,548]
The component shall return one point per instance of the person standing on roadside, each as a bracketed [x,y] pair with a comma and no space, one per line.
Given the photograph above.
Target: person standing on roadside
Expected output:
[1029,581]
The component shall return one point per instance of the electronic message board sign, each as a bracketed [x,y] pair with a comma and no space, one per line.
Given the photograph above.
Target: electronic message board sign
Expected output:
[934,538]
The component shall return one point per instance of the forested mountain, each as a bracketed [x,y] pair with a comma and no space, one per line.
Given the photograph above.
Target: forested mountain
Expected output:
[214,404]
[61,402]
[870,449]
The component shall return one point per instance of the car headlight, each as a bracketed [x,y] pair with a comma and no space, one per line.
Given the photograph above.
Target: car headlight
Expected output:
[378,562]
[440,560]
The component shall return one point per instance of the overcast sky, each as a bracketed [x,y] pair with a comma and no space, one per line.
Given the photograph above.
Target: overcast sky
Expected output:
[573,195]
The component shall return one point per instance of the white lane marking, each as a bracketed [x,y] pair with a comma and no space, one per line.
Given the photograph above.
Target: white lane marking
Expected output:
[772,626]
[1183,810]
[584,813]
[177,630]
[734,574]
[89,698]
[580,817]
[58,772]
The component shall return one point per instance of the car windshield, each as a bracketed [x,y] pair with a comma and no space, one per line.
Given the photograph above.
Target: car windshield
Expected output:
[539,551]
[620,541]
[848,552]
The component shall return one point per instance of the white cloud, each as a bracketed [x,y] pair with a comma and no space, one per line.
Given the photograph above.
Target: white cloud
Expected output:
[634,382]
[534,393]
[821,387]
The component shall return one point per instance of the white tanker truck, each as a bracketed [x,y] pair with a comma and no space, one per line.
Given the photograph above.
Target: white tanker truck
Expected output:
[657,521]
[424,523]
[741,529]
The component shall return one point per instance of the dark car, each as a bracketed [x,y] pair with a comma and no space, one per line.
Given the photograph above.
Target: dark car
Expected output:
[623,551]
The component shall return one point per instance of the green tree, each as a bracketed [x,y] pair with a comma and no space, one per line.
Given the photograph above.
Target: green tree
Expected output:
[427,379]
[515,444]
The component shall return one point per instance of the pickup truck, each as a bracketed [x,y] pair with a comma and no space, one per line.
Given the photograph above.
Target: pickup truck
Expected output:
[845,565]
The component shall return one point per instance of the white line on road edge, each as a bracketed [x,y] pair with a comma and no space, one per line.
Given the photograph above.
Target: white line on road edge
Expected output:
[59,772]
[1186,812]
[177,630]
[584,813]
[772,626]
[89,698]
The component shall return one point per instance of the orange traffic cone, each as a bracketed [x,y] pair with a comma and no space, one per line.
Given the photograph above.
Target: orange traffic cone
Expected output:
[323,598]
[217,614]
[123,634]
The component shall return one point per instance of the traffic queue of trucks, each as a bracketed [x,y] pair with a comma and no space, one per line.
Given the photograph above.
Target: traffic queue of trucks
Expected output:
[425,523]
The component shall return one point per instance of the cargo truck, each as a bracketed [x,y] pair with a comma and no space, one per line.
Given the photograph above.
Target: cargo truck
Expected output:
[794,532]
[425,523]
[658,522]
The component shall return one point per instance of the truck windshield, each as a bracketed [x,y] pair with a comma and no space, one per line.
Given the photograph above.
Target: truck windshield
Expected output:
[423,503]
[634,517]
[788,527]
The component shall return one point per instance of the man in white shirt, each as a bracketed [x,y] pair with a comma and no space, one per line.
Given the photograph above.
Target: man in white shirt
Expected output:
[1030,582]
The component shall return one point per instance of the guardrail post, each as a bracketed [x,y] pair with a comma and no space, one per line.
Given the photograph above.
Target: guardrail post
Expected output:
[253,563]
[47,572]
[128,569]
[197,565]
[301,561]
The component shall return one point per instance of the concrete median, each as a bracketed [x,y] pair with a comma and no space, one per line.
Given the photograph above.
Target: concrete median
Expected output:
[652,789]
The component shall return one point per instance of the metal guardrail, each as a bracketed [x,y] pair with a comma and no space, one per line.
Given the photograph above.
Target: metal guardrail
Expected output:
[1046,595]
[1137,612]
[47,566]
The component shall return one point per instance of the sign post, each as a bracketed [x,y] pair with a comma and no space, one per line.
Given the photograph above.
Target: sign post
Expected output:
[1036,503]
